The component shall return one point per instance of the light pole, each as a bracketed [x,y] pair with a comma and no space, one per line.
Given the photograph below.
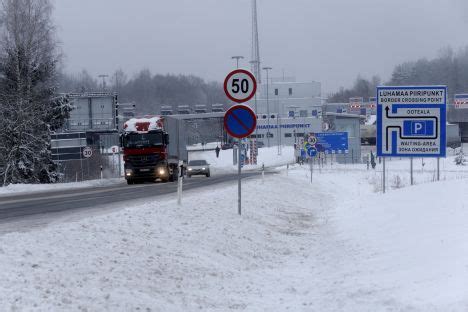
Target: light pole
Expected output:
[278,130]
[256,108]
[267,69]
[237,58]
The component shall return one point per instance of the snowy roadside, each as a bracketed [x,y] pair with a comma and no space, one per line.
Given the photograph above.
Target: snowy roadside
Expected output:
[331,246]
[14,189]
[221,165]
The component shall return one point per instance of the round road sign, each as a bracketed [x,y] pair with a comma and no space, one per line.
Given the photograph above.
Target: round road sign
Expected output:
[240,85]
[311,152]
[240,121]
[312,140]
[87,152]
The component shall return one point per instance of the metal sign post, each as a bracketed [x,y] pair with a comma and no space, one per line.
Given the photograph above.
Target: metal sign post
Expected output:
[180,182]
[86,153]
[240,121]
[438,169]
[311,163]
[239,186]
[411,169]
[383,176]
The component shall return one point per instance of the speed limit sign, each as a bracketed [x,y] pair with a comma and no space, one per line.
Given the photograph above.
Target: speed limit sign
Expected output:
[87,152]
[240,85]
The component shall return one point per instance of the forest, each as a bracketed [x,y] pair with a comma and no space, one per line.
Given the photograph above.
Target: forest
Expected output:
[448,68]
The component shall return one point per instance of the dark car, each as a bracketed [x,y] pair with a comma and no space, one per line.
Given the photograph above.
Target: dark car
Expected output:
[226,146]
[198,167]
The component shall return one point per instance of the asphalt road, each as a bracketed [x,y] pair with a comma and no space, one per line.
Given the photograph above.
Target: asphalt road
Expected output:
[20,206]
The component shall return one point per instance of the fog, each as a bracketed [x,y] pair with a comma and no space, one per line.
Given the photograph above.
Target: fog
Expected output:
[322,40]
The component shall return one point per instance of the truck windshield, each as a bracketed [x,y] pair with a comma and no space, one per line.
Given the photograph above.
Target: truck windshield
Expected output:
[143,140]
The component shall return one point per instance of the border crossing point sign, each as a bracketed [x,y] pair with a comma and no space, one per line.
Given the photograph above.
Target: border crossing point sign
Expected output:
[411,121]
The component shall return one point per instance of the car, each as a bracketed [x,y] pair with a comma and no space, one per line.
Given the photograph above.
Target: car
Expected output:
[227,146]
[198,167]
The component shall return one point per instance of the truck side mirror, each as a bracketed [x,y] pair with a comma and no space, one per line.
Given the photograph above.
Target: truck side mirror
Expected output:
[166,138]
[121,140]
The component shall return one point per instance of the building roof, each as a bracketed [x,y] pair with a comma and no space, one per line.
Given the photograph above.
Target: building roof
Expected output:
[344,115]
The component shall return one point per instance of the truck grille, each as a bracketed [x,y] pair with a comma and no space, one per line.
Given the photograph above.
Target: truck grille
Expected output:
[143,160]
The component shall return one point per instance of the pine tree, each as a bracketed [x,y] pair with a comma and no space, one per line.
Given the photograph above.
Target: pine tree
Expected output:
[29,106]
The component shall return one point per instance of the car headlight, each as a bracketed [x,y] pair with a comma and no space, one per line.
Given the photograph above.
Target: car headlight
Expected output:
[128,172]
[203,168]
[189,169]
[162,171]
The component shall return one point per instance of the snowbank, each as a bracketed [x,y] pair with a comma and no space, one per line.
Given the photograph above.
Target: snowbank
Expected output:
[36,188]
[335,245]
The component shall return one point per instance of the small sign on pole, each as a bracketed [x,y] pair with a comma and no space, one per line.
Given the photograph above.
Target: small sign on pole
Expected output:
[240,121]
[87,152]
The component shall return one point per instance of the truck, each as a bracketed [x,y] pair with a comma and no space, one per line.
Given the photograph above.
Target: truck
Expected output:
[152,148]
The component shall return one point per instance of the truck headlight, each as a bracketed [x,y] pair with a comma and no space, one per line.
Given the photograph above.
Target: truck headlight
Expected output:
[189,169]
[128,172]
[203,168]
[162,171]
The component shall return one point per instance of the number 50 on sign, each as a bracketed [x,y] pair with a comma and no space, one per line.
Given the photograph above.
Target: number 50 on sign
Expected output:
[240,85]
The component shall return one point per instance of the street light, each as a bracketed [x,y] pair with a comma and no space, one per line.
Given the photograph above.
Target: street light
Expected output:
[237,58]
[267,69]
[278,130]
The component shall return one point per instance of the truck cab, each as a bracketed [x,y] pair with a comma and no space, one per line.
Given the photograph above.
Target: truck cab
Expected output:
[145,148]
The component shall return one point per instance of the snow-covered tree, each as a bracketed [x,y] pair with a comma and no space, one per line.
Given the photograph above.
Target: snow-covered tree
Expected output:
[460,159]
[29,106]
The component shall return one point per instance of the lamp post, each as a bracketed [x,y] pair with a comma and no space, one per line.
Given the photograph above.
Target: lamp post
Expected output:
[237,58]
[280,143]
[267,69]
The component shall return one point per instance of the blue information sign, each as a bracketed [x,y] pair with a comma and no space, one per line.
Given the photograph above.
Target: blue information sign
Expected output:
[332,142]
[411,121]
[240,121]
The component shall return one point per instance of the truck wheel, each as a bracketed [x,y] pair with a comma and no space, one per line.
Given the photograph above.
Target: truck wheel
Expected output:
[208,175]
[130,182]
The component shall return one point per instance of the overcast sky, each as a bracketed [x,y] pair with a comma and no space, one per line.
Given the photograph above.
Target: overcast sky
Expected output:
[331,41]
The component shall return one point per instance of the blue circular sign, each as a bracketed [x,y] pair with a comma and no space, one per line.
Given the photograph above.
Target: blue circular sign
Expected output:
[240,121]
[312,152]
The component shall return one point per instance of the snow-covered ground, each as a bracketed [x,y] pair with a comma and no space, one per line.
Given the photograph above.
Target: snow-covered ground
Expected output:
[334,245]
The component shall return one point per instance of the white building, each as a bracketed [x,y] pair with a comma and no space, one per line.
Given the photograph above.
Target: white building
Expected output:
[285,131]
[288,99]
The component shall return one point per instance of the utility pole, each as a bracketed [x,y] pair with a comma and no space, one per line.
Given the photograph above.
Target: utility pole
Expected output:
[237,58]
[255,45]
[255,100]
[267,69]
